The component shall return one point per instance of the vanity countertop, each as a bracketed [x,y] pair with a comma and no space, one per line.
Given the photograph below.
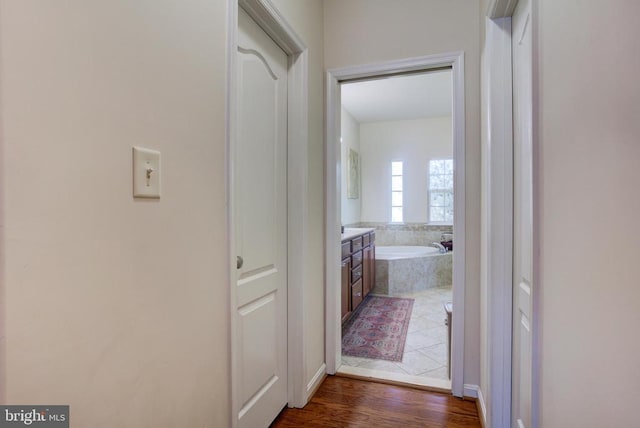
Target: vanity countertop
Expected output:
[352,232]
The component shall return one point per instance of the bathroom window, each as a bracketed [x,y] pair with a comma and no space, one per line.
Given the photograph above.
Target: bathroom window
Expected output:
[441,191]
[396,192]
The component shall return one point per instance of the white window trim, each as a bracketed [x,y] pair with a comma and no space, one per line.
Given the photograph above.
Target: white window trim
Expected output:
[401,192]
[429,221]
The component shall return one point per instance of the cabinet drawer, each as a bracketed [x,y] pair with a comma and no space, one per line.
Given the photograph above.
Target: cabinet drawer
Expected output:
[346,249]
[356,259]
[365,239]
[356,244]
[356,294]
[356,273]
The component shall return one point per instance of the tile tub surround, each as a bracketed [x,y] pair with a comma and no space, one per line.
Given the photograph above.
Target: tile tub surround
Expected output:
[395,277]
[406,233]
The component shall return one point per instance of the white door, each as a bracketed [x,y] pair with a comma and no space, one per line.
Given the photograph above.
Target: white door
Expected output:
[523,244]
[260,219]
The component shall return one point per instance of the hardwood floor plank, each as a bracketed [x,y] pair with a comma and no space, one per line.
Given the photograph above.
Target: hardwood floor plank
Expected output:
[343,402]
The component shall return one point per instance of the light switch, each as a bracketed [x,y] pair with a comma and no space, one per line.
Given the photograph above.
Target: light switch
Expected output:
[146,173]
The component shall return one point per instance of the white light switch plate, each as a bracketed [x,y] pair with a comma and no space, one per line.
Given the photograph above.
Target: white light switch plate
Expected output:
[146,173]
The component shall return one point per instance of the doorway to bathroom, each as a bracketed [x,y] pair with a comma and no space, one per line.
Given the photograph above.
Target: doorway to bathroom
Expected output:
[397,187]
[395,132]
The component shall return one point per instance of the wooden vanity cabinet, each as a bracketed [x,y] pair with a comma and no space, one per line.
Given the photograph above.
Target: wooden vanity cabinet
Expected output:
[356,294]
[358,271]
[367,261]
[346,289]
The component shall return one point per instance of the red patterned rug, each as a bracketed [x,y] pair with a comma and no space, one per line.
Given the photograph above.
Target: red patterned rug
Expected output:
[378,328]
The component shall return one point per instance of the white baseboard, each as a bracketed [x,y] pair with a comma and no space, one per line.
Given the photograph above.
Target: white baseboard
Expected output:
[482,409]
[314,383]
[471,390]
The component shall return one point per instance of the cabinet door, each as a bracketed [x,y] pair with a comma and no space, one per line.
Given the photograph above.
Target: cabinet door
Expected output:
[372,266]
[346,289]
[356,294]
[366,271]
[346,249]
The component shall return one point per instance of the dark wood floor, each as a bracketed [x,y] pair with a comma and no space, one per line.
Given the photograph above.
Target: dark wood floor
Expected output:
[344,402]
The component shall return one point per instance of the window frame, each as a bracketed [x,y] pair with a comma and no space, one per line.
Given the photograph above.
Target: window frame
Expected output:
[446,191]
[401,192]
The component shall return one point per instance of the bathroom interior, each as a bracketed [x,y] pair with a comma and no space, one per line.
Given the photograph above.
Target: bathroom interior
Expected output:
[397,218]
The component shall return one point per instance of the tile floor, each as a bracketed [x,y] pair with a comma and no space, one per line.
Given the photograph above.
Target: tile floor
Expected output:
[425,352]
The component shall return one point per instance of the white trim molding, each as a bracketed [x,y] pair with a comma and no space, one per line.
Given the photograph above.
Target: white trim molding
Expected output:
[454,60]
[536,362]
[273,23]
[332,179]
[501,8]
[315,381]
[471,390]
[498,190]
[482,409]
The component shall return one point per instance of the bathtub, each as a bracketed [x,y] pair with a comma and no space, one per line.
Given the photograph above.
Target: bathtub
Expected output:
[402,269]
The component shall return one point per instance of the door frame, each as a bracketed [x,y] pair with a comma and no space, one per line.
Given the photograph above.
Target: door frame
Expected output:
[455,60]
[267,16]
[497,78]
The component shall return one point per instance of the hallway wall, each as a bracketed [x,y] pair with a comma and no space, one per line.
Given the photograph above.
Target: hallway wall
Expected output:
[115,306]
[369,31]
[588,103]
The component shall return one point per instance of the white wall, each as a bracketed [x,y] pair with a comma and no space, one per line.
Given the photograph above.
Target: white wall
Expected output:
[414,142]
[587,176]
[350,134]
[371,31]
[116,306]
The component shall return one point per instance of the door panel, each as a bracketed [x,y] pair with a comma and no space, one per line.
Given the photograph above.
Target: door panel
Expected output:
[522,234]
[260,220]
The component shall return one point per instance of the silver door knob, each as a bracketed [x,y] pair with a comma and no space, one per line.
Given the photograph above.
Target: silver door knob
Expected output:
[239,262]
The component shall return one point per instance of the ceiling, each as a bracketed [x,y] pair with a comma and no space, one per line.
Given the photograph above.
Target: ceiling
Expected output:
[412,96]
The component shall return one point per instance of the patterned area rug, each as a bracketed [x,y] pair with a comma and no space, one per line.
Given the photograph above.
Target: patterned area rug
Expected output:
[378,328]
